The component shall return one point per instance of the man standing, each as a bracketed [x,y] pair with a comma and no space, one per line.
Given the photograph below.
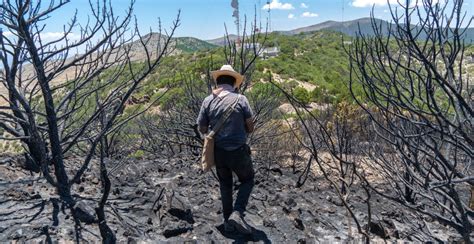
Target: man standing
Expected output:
[231,151]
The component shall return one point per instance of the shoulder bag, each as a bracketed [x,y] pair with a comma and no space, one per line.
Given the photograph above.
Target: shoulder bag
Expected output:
[207,159]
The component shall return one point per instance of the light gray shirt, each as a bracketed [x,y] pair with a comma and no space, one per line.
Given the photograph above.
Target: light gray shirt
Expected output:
[232,135]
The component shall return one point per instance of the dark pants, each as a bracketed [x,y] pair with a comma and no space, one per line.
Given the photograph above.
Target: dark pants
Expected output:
[239,162]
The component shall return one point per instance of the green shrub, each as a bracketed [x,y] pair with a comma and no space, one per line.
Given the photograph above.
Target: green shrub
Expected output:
[302,95]
[138,154]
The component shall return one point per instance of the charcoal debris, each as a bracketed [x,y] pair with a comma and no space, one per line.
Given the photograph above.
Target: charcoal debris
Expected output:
[158,201]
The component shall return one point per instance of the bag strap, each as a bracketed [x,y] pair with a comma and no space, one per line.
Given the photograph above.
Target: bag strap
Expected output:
[224,117]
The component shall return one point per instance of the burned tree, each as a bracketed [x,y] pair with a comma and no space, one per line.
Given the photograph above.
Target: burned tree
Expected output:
[331,138]
[65,96]
[420,104]
[417,132]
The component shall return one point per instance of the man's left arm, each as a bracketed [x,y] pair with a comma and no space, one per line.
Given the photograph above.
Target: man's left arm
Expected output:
[248,116]
[249,125]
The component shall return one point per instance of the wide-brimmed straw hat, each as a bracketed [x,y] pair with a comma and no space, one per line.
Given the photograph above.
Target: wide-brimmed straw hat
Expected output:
[228,70]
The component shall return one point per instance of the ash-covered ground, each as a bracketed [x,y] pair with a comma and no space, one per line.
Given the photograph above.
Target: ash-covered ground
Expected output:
[172,201]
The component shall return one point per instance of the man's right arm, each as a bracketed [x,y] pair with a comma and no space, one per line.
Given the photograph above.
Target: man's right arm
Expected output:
[203,120]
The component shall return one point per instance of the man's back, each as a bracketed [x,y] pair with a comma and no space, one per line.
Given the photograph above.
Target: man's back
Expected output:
[233,134]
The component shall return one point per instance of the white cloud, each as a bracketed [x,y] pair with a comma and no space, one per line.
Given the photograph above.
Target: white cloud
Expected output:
[370,3]
[50,36]
[309,15]
[276,4]
[291,16]
[303,5]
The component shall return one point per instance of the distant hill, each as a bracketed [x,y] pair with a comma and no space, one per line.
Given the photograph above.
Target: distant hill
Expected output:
[191,44]
[222,40]
[181,44]
[347,27]
[365,24]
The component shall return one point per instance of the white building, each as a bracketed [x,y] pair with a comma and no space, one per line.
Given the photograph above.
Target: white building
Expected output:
[269,52]
[470,59]
[264,52]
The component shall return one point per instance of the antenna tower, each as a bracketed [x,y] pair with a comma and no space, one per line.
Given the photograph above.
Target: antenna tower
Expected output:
[269,17]
[236,15]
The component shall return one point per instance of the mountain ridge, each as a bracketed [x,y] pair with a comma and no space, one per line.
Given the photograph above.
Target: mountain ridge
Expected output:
[350,28]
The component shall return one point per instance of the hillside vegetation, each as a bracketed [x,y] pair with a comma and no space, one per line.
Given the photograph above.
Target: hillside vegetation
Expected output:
[313,65]
[315,59]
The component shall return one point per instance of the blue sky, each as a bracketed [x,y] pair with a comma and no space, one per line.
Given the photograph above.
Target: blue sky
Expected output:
[205,19]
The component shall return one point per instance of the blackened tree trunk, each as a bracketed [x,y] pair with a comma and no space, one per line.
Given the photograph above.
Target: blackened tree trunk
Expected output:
[57,98]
